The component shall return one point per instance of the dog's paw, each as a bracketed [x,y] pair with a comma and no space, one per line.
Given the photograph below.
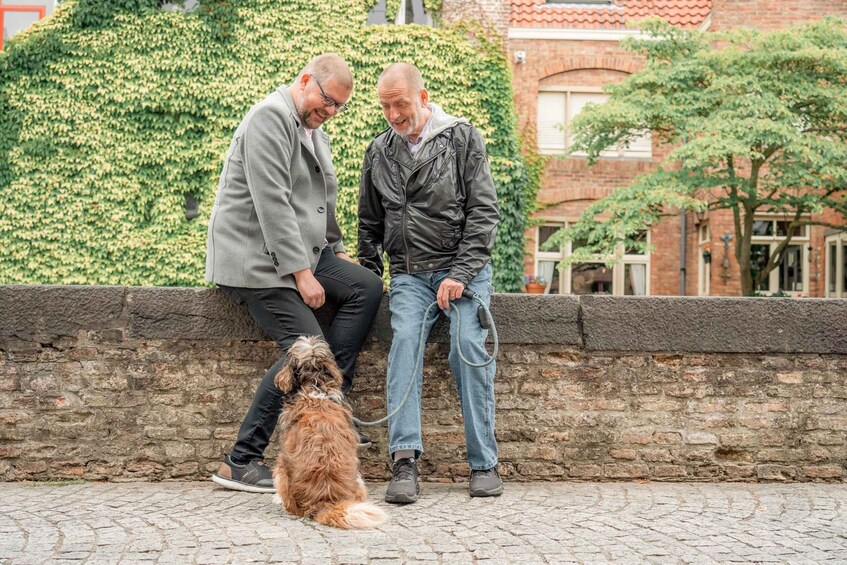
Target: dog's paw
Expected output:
[277,499]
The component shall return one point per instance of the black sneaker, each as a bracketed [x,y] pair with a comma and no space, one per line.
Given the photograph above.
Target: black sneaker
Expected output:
[254,476]
[486,483]
[404,487]
[364,441]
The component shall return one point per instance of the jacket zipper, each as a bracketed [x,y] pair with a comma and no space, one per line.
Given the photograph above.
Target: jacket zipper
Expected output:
[406,207]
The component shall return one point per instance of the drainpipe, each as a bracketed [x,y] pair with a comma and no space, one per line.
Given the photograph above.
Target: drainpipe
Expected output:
[682,254]
[682,237]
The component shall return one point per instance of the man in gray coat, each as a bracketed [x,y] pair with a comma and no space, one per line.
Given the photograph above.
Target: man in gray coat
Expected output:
[274,245]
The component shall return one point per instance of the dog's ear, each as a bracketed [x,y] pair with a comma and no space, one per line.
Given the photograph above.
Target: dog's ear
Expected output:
[284,380]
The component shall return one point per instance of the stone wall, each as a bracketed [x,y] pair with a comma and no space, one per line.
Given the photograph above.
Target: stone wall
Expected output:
[151,383]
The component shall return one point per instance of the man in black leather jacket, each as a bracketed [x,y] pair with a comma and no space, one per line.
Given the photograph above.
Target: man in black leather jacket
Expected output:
[427,199]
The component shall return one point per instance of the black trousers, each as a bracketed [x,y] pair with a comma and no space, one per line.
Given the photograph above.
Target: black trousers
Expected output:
[353,294]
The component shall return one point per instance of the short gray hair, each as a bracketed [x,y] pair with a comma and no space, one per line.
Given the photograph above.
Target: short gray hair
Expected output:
[327,66]
[405,72]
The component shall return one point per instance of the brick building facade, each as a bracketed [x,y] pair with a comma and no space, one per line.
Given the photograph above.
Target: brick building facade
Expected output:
[562,55]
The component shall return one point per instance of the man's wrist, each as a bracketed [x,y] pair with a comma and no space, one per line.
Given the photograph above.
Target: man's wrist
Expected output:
[302,273]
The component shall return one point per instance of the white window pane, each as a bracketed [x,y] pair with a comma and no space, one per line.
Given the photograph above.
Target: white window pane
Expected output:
[635,280]
[763,227]
[544,233]
[551,117]
[549,270]
[17,21]
[580,99]
[843,271]
[640,147]
[577,103]
[832,268]
[641,237]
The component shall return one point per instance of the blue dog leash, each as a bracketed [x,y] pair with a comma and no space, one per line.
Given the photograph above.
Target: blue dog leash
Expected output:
[485,320]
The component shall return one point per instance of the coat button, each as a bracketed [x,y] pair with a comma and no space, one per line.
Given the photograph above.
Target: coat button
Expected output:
[320,209]
[317,168]
[316,250]
[276,263]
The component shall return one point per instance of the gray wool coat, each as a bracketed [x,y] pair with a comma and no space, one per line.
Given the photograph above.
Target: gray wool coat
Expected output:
[275,204]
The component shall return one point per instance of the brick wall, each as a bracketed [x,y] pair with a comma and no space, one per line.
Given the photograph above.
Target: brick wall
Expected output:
[150,384]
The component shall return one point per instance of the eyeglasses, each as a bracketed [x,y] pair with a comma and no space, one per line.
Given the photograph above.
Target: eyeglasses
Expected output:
[327,101]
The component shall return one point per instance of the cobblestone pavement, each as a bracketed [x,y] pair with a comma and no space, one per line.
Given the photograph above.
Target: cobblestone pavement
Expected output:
[530,523]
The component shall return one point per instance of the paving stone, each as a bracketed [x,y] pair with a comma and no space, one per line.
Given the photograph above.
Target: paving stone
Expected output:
[198,523]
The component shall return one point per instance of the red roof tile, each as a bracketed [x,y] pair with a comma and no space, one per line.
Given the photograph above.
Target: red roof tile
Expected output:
[538,13]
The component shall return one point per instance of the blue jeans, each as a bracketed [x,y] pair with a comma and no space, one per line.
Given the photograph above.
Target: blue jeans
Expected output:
[409,297]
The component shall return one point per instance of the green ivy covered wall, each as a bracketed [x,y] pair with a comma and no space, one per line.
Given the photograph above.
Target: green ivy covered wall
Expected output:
[113,114]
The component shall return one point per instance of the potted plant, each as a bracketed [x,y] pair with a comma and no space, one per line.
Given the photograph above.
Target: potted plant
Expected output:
[707,254]
[534,284]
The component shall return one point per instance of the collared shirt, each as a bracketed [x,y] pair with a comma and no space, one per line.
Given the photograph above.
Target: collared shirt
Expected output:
[309,132]
[414,146]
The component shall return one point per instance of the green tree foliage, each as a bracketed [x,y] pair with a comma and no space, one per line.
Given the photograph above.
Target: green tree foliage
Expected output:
[113,114]
[757,122]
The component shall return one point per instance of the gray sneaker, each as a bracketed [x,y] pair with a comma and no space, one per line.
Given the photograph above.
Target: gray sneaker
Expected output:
[486,482]
[404,487]
[254,476]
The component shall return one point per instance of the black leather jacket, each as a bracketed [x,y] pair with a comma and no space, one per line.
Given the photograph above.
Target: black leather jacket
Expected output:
[435,211]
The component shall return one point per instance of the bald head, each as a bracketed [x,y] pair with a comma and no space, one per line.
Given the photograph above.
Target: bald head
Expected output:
[404,74]
[329,66]
[404,99]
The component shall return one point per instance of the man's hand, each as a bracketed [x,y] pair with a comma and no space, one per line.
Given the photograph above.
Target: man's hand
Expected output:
[450,289]
[309,288]
[342,255]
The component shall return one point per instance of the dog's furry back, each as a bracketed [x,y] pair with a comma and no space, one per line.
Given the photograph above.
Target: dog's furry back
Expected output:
[317,470]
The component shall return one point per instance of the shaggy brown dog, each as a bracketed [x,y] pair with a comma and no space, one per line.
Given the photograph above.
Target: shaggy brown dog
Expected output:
[317,470]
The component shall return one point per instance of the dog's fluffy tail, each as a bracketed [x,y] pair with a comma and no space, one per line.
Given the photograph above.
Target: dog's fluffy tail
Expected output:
[356,515]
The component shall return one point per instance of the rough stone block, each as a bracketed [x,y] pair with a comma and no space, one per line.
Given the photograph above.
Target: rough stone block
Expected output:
[776,472]
[677,324]
[823,471]
[622,471]
[48,312]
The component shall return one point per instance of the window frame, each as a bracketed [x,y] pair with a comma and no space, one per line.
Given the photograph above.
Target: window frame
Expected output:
[41,9]
[568,91]
[838,241]
[566,275]
[803,241]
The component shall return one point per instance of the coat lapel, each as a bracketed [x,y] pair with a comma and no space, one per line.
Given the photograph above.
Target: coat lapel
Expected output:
[322,153]
[398,151]
[304,139]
